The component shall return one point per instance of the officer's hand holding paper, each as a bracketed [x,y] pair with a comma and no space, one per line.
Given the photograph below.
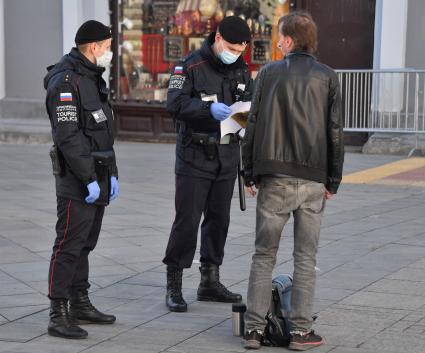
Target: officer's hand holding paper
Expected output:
[237,120]
[220,111]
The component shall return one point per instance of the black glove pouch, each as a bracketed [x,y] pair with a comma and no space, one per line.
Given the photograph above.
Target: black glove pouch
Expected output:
[103,161]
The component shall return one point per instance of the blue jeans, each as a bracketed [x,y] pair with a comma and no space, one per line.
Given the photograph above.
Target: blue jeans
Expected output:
[277,198]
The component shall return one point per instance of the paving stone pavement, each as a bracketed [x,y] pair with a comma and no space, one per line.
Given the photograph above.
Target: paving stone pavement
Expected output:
[371,264]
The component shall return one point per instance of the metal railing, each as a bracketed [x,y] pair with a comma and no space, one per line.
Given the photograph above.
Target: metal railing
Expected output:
[383,100]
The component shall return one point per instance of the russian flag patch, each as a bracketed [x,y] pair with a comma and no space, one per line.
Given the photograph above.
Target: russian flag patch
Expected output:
[66,97]
[178,70]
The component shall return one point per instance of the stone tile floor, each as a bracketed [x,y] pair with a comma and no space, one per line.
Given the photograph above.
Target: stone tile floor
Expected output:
[371,264]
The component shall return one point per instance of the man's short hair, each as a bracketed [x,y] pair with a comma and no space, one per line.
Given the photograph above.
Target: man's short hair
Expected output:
[82,48]
[299,25]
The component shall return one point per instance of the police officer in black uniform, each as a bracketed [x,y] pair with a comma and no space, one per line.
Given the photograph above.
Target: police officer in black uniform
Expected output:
[86,174]
[201,89]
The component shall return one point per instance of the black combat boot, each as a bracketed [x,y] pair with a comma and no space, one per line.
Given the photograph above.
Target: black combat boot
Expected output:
[83,311]
[174,298]
[60,324]
[211,289]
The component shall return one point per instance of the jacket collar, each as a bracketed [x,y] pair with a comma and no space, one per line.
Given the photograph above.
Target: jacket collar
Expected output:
[84,66]
[77,62]
[208,54]
[299,53]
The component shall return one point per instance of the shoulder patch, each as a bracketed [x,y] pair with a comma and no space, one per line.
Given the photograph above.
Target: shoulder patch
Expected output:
[65,97]
[178,70]
[176,81]
[66,114]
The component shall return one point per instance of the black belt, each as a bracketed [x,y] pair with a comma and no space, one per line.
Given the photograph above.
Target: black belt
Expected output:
[202,138]
[208,139]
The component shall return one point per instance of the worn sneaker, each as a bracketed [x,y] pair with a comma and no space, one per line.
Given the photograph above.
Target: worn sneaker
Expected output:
[302,341]
[253,339]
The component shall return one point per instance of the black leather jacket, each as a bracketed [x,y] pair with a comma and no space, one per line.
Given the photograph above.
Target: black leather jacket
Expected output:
[295,123]
[82,126]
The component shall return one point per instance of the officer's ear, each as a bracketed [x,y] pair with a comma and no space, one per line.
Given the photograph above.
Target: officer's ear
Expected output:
[87,48]
[94,48]
[218,37]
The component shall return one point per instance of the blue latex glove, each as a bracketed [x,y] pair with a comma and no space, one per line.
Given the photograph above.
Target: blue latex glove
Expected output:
[220,111]
[115,188]
[94,192]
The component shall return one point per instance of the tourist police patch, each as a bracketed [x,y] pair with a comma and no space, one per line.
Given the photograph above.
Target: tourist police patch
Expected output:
[176,81]
[66,113]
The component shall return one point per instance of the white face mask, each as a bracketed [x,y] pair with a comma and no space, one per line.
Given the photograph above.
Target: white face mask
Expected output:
[105,59]
[227,57]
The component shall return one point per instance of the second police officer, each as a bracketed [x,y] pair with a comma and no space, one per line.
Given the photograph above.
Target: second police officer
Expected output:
[86,174]
[201,89]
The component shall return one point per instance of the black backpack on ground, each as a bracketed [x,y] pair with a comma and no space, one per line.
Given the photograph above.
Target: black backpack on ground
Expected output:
[276,333]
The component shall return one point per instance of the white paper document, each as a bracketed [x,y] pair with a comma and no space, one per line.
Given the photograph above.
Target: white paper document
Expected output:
[236,122]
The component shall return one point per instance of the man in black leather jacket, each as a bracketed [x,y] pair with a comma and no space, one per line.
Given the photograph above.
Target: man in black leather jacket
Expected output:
[85,171]
[201,89]
[293,152]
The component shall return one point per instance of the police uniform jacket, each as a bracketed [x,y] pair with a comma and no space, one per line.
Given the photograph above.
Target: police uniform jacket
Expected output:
[196,82]
[82,126]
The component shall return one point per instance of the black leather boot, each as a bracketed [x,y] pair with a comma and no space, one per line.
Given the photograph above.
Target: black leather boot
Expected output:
[211,289]
[84,312]
[60,324]
[174,298]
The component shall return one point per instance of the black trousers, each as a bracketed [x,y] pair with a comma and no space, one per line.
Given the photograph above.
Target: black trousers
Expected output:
[77,231]
[196,196]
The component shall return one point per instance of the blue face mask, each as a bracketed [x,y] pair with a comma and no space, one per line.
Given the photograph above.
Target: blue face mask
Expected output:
[227,57]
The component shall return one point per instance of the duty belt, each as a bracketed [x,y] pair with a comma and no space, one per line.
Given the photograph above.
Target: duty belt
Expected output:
[208,141]
[205,139]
